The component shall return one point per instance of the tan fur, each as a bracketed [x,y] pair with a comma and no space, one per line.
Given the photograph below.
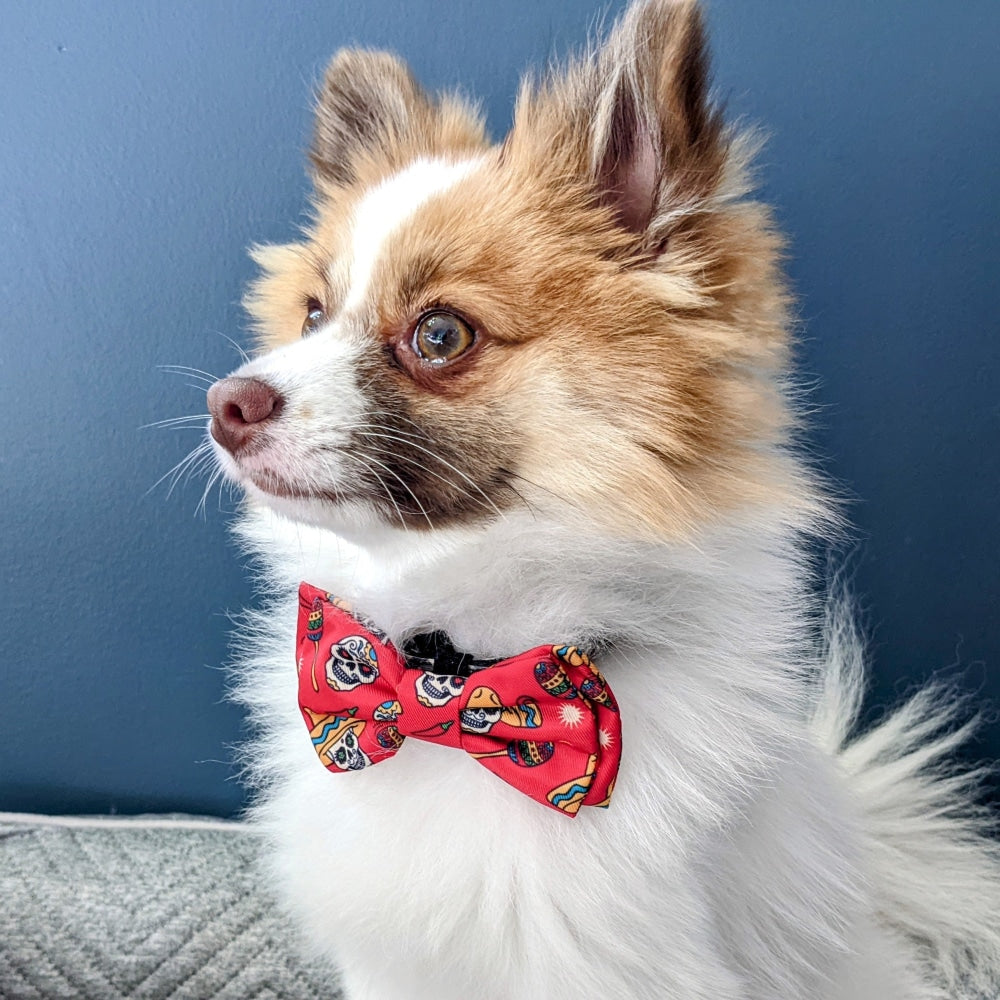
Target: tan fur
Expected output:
[632,368]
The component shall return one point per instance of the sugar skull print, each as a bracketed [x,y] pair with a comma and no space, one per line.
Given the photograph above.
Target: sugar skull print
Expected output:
[435,690]
[345,752]
[353,661]
[484,710]
[388,711]
[335,739]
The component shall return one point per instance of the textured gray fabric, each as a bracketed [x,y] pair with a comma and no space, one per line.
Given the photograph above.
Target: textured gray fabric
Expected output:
[148,910]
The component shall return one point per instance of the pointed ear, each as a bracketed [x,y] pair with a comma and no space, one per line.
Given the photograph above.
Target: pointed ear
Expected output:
[638,112]
[367,104]
[656,139]
[370,110]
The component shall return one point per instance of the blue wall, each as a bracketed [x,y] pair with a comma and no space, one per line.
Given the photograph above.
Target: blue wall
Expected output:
[145,145]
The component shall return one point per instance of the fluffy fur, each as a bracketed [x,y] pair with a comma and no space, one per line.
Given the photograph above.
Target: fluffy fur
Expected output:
[609,463]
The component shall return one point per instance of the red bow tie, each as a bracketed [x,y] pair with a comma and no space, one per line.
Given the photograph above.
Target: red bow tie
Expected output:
[545,721]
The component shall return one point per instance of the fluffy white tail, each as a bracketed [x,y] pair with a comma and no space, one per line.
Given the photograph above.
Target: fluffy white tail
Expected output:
[934,856]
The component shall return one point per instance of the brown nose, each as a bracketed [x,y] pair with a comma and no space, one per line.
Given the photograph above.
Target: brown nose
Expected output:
[239,407]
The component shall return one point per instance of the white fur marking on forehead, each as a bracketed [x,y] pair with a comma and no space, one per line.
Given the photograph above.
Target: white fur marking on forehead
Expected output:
[387,206]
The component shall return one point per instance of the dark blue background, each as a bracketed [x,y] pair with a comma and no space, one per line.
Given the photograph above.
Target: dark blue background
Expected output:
[146,145]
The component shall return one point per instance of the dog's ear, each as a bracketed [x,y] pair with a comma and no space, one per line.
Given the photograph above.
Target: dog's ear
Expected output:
[368,104]
[372,117]
[637,116]
[656,140]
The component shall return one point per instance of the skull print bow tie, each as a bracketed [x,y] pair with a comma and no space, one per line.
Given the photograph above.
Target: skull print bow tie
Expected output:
[545,721]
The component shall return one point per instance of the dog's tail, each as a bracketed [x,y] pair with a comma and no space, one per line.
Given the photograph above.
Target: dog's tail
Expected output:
[933,856]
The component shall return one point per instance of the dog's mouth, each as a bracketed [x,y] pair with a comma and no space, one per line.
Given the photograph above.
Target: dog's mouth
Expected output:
[277,484]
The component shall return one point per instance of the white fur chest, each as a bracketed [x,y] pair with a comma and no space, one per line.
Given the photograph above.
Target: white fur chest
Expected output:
[434,871]
[425,873]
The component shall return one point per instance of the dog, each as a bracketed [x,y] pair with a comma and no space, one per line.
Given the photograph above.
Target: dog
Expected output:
[534,396]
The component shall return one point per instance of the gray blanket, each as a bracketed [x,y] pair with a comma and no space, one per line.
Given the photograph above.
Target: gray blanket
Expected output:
[154,908]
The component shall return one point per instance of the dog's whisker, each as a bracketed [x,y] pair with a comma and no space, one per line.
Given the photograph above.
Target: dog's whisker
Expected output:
[196,469]
[216,475]
[522,498]
[179,421]
[197,452]
[457,486]
[410,460]
[406,487]
[423,436]
[538,486]
[399,416]
[185,476]
[388,492]
[188,370]
[444,462]
[197,466]
[224,484]
[399,437]
[244,357]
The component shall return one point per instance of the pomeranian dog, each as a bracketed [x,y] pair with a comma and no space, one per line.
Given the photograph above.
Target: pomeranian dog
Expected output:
[516,396]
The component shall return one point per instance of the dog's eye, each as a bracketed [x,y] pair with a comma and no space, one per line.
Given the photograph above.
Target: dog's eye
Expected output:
[315,317]
[441,337]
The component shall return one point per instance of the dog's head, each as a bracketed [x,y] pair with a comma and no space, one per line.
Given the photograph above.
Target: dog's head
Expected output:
[585,320]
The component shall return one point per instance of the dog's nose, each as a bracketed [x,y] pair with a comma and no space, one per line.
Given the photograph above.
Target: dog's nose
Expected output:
[239,407]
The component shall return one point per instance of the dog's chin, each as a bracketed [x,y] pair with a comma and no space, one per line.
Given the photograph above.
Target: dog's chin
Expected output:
[354,520]
[352,517]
